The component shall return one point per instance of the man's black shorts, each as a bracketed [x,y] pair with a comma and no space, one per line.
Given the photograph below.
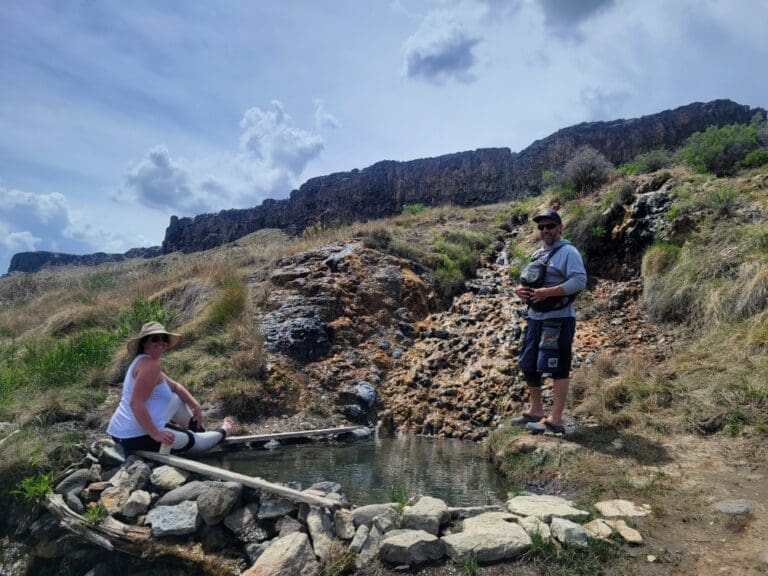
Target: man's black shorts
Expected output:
[547,347]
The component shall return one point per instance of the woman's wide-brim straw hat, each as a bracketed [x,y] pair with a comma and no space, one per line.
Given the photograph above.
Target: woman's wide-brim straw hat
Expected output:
[147,330]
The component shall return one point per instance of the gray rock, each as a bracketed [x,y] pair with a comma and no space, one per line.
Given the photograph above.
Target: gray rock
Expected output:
[460,513]
[426,514]
[253,551]
[366,393]
[358,541]
[189,491]
[343,525]
[168,478]
[763,559]
[545,507]
[411,547]
[108,452]
[245,524]
[362,433]
[74,483]
[287,525]
[74,502]
[287,556]
[174,520]
[370,548]
[320,528]
[735,507]
[132,476]
[326,487]
[366,514]
[217,500]
[568,532]
[137,503]
[619,508]
[386,522]
[533,526]
[274,507]
[489,537]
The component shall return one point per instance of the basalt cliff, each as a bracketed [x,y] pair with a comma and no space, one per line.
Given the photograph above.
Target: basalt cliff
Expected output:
[468,178]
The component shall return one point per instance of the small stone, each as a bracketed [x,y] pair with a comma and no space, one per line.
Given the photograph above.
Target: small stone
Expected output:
[618,508]
[358,541]
[342,523]
[114,499]
[74,483]
[545,507]
[735,507]
[137,503]
[651,558]
[174,520]
[533,526]
[568,532]
[598,529]
[629,534]
[168,478]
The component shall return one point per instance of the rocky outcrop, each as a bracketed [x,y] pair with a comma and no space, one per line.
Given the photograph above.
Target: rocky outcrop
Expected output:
[482,176]
[34,261]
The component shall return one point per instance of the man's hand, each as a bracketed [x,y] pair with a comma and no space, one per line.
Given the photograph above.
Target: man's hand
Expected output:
[524,292]
[539,294]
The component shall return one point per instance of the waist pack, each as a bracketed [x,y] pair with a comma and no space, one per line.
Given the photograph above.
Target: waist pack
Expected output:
[532,276]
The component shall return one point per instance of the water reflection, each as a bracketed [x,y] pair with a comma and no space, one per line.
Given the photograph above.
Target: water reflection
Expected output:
[449,469]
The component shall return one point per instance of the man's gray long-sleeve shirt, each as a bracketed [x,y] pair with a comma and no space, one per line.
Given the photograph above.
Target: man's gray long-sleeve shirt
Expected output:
[567,268]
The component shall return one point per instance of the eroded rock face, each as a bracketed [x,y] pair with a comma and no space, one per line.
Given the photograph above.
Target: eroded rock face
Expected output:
[470,178]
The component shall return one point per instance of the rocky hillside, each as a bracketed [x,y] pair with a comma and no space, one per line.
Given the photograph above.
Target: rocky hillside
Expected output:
[469,178]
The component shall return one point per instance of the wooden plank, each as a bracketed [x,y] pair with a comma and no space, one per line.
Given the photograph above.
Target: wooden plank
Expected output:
[250,481]
[283,435]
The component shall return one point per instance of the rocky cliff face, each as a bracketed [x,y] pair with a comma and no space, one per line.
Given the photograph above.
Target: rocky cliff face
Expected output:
[468,178]
[34,261]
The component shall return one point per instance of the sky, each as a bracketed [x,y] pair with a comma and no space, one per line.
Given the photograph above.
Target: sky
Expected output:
[116,115]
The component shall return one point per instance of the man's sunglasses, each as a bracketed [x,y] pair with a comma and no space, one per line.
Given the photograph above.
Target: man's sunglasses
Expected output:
[551,226]
[158,338]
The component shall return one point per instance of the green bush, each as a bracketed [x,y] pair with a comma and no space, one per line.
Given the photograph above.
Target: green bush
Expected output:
[720,149]
[417,208]
[454,258]
[648,162]
[722,199]
[229,302]
[755,159]
[34,488]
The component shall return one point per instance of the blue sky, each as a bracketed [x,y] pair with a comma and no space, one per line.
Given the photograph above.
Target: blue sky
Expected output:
[115,115]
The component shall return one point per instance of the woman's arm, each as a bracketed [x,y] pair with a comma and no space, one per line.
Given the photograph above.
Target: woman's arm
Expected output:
[147,376]
[186,397]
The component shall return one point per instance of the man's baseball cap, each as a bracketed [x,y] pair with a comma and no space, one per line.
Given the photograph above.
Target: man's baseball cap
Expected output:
[548,214]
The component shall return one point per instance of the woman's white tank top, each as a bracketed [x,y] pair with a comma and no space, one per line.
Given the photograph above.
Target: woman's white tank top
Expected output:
[123,423]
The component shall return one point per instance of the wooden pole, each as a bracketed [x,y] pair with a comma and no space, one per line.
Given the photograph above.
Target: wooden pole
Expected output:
[284,435]
[250,481]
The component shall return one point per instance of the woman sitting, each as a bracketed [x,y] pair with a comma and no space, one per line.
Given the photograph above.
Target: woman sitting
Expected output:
[150,400]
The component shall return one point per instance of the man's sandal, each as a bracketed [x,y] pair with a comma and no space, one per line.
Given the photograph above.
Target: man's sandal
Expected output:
[544,425]
[524,419]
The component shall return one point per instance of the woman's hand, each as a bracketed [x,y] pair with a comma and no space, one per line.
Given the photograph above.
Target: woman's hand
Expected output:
[163,436]
[197,411]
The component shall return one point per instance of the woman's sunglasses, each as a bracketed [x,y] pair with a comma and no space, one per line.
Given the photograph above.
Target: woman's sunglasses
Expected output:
[158,338]
[551,226]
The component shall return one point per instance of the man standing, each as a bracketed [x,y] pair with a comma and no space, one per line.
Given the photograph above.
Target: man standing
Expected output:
[549,285]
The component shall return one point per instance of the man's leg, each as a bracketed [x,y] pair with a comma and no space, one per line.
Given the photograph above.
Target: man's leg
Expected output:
[560,395]
[536,408]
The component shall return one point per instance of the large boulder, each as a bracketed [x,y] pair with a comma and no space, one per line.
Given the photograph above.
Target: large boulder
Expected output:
[427,514]
[320,526]
[174,520]
[181,494]
[545,507]
[366,514]
[217,500]
[287,556]
[411,547]
[244,522]
[489,537]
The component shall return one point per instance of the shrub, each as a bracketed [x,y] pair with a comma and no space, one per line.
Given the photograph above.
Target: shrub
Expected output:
[587,170]
[648,162]
[720,149]
[722,199]
[755,159]
[377,239]
[659,258]
[454,259]
[34,488]
[417,208]
[229,302]
[624,194]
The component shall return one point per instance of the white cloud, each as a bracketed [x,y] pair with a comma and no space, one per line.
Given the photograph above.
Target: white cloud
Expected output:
[441,49]
[271,156]
[323,118]
[30,221]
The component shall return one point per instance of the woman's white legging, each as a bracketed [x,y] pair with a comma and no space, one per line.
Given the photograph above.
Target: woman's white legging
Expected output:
[179,414]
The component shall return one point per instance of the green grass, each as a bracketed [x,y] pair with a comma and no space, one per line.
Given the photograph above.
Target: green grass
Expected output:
[229,302]
[141,311]
[414,209]
[95,513]
[469,566]
[34,488]
[549,559]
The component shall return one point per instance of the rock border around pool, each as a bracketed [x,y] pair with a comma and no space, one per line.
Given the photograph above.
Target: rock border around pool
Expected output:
[279,537]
